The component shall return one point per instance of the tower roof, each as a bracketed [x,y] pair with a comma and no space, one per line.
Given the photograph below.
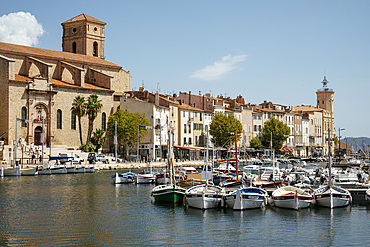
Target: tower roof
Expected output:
[84,17]
[325,86]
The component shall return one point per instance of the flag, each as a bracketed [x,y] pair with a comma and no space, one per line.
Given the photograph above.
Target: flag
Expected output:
[23,120]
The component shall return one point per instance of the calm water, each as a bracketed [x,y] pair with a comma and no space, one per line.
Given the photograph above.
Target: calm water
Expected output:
[87,210]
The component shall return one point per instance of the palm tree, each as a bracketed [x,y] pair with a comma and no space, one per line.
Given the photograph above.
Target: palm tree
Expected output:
[98,139]
[79,110]
[92,106]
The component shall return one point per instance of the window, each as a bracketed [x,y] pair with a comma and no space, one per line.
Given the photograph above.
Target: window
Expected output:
[189,128]
[184,140]
[200,140]
[95,49]
[196,140]
[185,129]
[189,140]
[103,121]
[73,120]
[195,114]
[200,116]
[249,128]
[195,126]
[74,47]
[24,116]
[59,119]
[183,113]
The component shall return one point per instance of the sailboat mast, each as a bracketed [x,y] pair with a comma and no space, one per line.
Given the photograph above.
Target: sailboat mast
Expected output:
[236,157]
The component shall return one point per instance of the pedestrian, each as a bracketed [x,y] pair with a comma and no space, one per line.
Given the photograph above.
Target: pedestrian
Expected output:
[33,157]
[40,159]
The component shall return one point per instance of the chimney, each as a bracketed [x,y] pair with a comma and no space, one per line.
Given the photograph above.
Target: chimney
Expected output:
[156,99]
[141,89]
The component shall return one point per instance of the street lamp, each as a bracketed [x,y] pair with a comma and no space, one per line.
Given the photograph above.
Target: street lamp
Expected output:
[339,140]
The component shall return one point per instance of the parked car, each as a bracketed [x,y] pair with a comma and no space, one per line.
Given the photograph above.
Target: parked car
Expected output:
[95,157]
[77,159]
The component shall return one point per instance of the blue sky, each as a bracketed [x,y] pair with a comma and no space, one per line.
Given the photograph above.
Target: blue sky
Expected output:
[264,50]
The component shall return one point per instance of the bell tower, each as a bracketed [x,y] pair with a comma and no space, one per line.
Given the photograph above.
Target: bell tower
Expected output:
[84,35]
[325,97]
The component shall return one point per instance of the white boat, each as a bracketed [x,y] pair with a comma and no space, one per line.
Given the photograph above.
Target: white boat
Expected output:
[58,170]
[11,171]
[80,169]
[204,196]
[246,198]
[128,177]
[43,170]
[71,169]
[31,171]
[291,197]
[89,169]
[332,197]
[147,178]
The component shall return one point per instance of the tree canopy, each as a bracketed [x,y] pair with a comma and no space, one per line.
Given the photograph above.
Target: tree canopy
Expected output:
[92,107]
[221,125]
[78,107]
[127,126]
[279,130]
[255,143]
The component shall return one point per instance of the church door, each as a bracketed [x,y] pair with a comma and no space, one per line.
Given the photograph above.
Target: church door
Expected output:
[38,134]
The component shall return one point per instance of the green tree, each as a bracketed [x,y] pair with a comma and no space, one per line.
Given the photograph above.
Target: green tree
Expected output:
[93,107]
[279,130]
[127,127]
[79,110]
[98,139]
[255,143]
[222,124]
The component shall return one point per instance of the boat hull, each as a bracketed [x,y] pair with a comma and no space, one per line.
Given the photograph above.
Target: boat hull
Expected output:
[43,171]
[123,178]
[292,198]
[11,172]
[28,171]
[145,179]
[89,169]
[332,197]
[58,170]
[168,194]
[80,170]
[204,196]
[71,169]
[241,199]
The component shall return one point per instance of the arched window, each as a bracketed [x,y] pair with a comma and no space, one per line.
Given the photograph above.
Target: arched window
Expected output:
[95,49]
[73,120]
[59,119]
[74,47]
[103,121]
[24,116]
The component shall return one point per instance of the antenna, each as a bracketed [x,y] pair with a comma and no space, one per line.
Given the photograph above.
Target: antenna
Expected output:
[142,83]
[158,88]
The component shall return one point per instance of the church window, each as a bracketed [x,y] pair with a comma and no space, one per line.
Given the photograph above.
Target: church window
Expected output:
[24,116]
[95,49]
[74,30]
[74,47]
[59,119]
[73,120]
[103,121]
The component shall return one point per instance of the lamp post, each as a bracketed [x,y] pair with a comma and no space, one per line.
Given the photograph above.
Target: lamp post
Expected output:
[339,139]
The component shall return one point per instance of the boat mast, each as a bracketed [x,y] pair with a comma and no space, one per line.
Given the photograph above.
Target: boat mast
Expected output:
[236,157]
[329,141]
[169,152]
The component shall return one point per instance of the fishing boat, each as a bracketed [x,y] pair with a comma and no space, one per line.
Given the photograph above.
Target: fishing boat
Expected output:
[43,170]
[169,193]
[128,177]
[10,171]
[71,169]
[291,197]
[145,178]
[331,196]
[204,196]
[89,169]
[80,169]
[246,198]
[30,171]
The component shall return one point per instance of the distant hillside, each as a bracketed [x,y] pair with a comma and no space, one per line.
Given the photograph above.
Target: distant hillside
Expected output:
[362,143]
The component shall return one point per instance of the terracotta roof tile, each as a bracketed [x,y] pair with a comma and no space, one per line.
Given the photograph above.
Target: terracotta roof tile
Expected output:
[84,17]
[6,48]
[22,78]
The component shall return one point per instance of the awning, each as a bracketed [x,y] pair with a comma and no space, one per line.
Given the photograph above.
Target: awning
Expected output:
[286,150]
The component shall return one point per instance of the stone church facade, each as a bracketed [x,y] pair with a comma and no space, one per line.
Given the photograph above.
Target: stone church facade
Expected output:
[39,83]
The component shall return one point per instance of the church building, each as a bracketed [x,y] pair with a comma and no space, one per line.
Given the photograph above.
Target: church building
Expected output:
[41,84]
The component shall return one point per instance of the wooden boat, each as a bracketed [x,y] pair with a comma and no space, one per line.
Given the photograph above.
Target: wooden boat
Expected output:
[246,198]
[43,170]
[147,178]
[80,169]
[58,170]
[204,196]
[168,194]
[10,171]
[128,177]
[291,197]
[332,197]
[31,171]
[89,169]
[71,169]
[190,182]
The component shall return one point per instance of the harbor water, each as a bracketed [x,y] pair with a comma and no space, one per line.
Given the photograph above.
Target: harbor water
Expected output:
[88,210]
